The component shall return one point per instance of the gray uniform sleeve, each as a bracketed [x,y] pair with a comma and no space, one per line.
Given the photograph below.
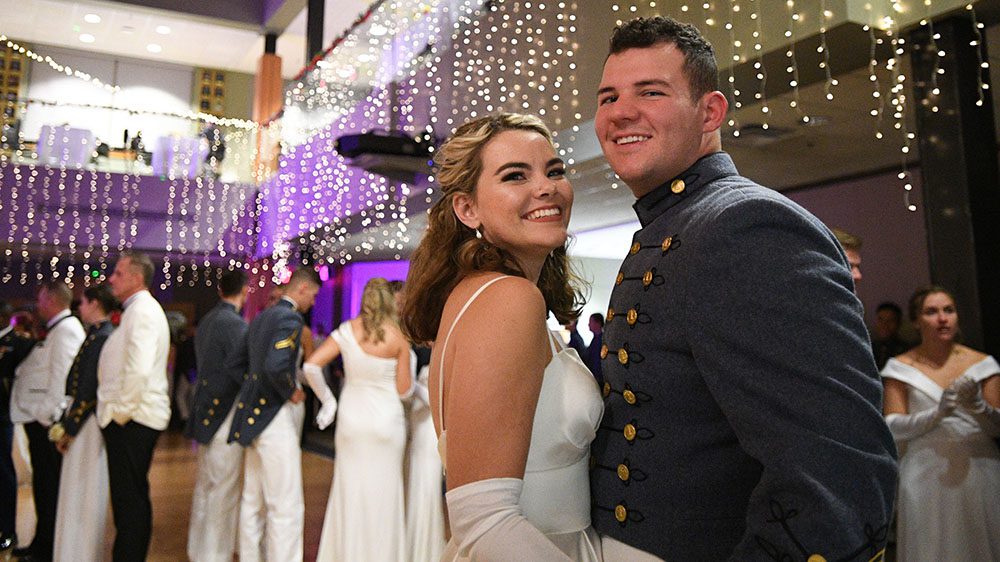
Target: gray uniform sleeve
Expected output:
[282,355]
[780,340]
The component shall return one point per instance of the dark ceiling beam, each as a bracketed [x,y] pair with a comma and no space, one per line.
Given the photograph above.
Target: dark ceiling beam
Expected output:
[278,14]
[245,14]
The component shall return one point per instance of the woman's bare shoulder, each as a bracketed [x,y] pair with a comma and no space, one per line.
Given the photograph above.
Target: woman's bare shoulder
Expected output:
[973,355]
[510,289]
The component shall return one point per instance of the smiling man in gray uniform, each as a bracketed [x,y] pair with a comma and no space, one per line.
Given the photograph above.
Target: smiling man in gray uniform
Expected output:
[742,405]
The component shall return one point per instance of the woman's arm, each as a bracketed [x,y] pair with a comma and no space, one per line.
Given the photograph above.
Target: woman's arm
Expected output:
[499,354]
[906,426]
[404,374]
[894,400]
[313,371]
[326,352]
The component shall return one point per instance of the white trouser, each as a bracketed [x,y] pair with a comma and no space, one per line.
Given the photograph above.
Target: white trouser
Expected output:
[272,508]
[82,508]
[216,499]
[615,551]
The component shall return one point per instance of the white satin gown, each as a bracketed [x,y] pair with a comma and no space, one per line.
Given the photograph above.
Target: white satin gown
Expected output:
[949,479]
[424,485]
[556,493]
[365,513]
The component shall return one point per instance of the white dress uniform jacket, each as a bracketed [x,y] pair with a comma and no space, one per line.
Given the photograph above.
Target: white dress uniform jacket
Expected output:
[40,380]
[132,371]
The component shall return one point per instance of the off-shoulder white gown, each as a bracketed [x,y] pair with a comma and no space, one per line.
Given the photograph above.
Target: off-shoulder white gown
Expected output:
[949,479]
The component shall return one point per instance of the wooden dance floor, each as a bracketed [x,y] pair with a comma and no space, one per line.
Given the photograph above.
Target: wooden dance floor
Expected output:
[171,481]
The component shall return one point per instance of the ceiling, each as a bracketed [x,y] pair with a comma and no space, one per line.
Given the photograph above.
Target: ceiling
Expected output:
[841,142]
[127,30]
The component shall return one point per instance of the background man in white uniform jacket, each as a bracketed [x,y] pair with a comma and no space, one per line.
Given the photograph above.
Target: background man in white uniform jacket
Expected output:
[36,401]
[132,402]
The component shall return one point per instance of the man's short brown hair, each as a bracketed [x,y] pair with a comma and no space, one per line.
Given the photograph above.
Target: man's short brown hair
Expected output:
[700,65]
[142,263]
[59,291]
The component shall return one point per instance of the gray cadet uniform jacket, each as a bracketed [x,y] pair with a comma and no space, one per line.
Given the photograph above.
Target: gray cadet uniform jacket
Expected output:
[742,406]
[270,356]
[81,383]
[219,338]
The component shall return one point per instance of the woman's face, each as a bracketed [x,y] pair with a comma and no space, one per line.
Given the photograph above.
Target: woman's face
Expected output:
[522,200]
[89,310]
[938,318]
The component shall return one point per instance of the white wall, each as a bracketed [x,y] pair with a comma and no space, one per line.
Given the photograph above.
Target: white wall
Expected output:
[144,85]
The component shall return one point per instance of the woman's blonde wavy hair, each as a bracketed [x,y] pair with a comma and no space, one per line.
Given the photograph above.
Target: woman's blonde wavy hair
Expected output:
[450,250]
[377,307]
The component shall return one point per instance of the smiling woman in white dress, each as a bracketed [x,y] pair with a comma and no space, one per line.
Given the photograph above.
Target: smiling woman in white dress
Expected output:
[941,401]
[515,413]
[364,515]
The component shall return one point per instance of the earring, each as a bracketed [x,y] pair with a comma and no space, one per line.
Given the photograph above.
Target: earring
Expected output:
[479,234]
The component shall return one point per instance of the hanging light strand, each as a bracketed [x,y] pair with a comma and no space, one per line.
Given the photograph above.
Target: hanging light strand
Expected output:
[793,64]
[823,49]
[758,64]
[735,58]
[982,66]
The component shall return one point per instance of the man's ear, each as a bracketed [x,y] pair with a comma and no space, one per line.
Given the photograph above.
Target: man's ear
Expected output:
[716,105]
[466,210]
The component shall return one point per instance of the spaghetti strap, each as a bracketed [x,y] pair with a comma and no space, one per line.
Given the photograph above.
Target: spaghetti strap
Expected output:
[444,349]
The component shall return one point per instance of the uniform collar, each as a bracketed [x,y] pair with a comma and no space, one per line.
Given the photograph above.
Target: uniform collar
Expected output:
[706,170]
[290,301]
[94,328]
[133,298]
[57,318]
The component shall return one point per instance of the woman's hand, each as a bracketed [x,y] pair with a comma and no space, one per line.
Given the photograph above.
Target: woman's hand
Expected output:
[969,394]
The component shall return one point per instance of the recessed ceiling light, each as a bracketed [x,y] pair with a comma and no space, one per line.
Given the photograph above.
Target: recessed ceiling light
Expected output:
[377,30]
[154,48]
[87,38]
[366,57]
[163,29]
[92,18]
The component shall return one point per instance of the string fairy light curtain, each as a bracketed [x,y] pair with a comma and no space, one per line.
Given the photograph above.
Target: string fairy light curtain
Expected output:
[417,69]
[421,68]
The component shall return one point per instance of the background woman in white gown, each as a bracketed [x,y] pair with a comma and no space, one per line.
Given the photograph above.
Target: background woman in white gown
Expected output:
[941,402]
[515,415]
[424,504]
[81,512]
[364,515]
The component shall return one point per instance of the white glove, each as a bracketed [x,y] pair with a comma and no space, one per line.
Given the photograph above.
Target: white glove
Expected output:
[910,426]
[326,414]
[314,376]
[487,524]
[970,398]
[63,406]
[421,393]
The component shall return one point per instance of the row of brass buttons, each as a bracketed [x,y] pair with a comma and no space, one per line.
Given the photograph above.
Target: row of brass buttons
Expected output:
[631,317]
[627,394]
[664,246]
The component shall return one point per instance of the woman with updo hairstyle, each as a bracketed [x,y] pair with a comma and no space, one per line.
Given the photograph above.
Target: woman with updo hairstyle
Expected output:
[515,412]
[364,515]
[941,403]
